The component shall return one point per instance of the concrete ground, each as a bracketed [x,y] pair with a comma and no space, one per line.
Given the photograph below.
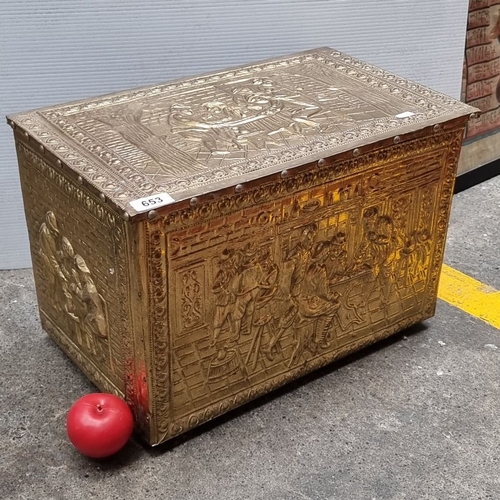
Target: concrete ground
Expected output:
[416,417]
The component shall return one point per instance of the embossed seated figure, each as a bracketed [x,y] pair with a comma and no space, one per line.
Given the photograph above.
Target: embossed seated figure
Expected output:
[315,300]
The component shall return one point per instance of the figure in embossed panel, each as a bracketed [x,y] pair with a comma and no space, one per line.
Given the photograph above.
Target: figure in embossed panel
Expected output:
[311,300]
[416,250]
[243,283]
[223,291]
[315,291]
[72,288]
[50,239]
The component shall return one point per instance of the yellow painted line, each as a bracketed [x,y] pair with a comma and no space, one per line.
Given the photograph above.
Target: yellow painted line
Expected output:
[470,295]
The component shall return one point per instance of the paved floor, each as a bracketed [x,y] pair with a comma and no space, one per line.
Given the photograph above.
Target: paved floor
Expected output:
[416,417]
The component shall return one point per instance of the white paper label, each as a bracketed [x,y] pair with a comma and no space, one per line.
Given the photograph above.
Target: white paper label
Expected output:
[406,114]
[150,202]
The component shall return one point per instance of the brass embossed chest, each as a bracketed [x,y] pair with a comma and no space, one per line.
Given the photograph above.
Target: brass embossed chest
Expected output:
[200,243]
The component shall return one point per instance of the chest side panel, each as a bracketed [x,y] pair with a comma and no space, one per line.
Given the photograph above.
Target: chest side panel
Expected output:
[80,267]
[281,279]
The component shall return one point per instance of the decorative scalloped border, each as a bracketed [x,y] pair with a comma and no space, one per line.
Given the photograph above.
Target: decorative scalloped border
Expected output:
[159,345]
[122,182]
[443,216]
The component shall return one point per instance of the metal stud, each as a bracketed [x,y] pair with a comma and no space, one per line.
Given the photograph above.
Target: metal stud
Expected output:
[80,179]
[397,139]
[102,196]
[284,174]
[12,124]
[152,214]
[238,188]
[437,127]
[193,201]
[41,148]
[356,152]
[126,216]
[321,162]
[27,136]
[59,163]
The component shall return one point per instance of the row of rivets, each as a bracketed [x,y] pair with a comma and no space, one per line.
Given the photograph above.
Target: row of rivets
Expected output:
[194,201]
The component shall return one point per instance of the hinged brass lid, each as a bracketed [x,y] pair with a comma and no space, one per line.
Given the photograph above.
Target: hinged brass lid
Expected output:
[190,137]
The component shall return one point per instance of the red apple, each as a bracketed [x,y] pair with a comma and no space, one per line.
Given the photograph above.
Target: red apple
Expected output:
[99,424]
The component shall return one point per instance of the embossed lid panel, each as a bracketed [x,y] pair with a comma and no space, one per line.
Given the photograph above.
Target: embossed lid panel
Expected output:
[195,136]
